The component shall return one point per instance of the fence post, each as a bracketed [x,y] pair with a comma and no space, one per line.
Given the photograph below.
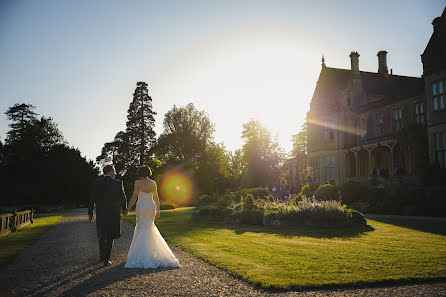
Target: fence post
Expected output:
[32,216]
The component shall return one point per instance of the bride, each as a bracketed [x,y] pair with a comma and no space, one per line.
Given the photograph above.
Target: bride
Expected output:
[148,248]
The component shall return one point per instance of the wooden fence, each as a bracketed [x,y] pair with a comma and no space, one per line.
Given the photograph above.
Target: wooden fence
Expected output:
[11,222]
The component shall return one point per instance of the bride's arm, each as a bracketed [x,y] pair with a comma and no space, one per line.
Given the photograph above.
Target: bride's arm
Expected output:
[134,197]
[157,201]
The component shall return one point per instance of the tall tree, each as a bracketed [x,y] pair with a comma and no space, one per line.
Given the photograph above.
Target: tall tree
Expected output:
[38,161]
[140,123]
[30,136]
[2,161]
[261,154]
[298,159]
[212,175]
[187,132]
[300,141]
[116,152]
[21,116]
[237,168]
[45,134]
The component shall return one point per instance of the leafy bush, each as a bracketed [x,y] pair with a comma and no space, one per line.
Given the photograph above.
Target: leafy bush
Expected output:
[248,204]
[270,199]
[356,217]
[305,210]
[256,193]
[210,211]
[252,216]
[329,212]
[280,211]
[308,190]
[207,199]
[353,191]
[226,199]
[295,200]
[167,205]
[327,192]
[361,206]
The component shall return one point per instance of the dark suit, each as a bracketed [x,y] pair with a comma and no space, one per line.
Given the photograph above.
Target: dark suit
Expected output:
[109,197]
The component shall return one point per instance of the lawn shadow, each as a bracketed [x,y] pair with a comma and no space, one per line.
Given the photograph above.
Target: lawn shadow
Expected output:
[429,226]
[328,288]
[345,232]
[303,230]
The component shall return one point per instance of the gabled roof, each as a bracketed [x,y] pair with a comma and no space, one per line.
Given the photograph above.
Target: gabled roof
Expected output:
[434,56]
[393,87]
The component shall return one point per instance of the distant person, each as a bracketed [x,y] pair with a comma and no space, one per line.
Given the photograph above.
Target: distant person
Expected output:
[274,190]
[107,194]
[148,248]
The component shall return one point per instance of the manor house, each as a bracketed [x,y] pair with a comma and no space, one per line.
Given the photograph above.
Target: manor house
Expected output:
[355,117]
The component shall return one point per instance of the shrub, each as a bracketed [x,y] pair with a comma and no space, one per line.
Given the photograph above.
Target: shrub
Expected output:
[270,199]
[308,190]
[329,212]
[279,211]
[356,217]
[226,199]
[236,214]
[210,211]
[259,203]
[207,199]
[295,200]
[252,216]
[361,206]
[248,204]
[257,193]
[327,192]
[167,205]
[353,191]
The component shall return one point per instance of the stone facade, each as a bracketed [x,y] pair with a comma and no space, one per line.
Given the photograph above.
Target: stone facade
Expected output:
[355,117]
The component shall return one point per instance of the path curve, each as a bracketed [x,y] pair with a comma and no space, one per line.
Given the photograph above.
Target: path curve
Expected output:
[64,262]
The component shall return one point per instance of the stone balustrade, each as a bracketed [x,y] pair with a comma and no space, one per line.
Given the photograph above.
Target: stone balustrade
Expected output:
[11,222]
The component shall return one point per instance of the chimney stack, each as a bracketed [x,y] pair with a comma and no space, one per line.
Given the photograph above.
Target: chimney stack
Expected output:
[382,63]
[354,59]
[436,23]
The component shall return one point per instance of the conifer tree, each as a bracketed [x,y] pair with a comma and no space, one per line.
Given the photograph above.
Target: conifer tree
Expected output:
[21,115]
[140,124]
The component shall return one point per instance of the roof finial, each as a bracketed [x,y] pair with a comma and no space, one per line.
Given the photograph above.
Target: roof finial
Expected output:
[323,61]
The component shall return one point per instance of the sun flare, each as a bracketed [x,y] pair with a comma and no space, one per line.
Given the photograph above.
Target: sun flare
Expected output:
[176,187]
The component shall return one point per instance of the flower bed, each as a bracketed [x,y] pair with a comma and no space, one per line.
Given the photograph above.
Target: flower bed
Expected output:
[306,211]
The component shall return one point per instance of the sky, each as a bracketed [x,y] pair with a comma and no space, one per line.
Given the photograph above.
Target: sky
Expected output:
[79,61]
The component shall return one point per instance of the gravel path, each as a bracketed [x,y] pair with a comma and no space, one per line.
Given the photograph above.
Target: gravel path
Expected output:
[64,262]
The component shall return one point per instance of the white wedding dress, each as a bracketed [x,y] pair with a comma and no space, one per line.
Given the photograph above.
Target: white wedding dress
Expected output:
[148,248]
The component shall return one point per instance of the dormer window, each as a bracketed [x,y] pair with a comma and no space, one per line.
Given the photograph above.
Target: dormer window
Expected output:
[438,95]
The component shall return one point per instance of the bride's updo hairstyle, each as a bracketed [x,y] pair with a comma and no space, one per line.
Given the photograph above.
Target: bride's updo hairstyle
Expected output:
[144,171]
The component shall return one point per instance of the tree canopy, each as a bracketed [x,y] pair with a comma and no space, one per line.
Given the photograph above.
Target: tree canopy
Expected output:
[187,132]
[140,124]
[261,154]
[37,165]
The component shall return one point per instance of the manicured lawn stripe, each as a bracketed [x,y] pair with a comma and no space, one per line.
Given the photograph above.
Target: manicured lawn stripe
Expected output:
[297,257]
[12,244]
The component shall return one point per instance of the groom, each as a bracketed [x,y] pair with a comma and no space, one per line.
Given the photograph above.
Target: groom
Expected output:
[108,195]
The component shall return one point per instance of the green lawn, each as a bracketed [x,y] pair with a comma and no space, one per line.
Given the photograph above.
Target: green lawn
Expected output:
[297,257]
[12,244]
